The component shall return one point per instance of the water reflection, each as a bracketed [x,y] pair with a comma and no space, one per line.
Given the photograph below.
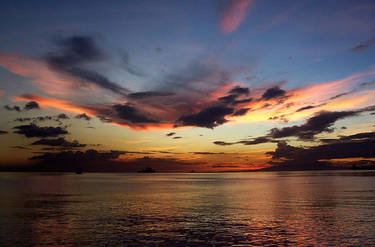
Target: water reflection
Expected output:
[248,209]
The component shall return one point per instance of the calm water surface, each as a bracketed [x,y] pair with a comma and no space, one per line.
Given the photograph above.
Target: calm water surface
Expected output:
[334,208]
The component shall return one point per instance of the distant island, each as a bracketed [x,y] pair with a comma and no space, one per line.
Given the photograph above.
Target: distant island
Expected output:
[147,170]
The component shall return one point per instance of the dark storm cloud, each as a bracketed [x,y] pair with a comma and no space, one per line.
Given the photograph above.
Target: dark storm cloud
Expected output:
[170,134]
[60,142]
[241,112]
[31,105]
[209,117]
[3,132]
[148,94]
[32,130]
[321,122]
[131,114]
[73,54]
[12,108]
[274,92]
[364,46]
[83,116]
[131,68]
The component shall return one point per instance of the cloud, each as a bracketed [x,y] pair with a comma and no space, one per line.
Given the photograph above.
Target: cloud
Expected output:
[340,95]
[57,118]
[132,115]
[321,122]
[221,143]
[21,147]
[31,105]
[131,68]
[208,118]
[105,119]
[12,108]
[241,112]
[177,137]
[83,116]
[364,135]
[312,157]
[3,132]
[206,153]
[71,59]
[76,157]
[274,92]
[148,94]
[32,130]
[255,141]
[170,133]
[258,140]
[371,83]
[28,106]
[60,142]
[62,116]
[306,108]
[233,15]
[363,46]
[224,166]
[232,99]
[239,91]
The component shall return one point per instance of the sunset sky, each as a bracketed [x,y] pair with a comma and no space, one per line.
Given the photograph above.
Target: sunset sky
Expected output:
[187,85]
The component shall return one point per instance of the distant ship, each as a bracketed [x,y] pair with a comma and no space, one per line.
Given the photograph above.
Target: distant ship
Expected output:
[147,170]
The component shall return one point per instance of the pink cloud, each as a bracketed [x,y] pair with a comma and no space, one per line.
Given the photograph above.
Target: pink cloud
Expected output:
[233,15]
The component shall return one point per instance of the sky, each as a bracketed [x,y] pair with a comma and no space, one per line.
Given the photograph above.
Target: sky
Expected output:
[180,86]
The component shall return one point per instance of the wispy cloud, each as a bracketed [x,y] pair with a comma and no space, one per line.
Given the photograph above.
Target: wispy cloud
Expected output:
[233,15]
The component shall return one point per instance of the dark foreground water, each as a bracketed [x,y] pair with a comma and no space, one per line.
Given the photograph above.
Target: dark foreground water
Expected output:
[335,208]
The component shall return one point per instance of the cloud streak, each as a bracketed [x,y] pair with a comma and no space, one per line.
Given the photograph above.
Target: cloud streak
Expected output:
[233,15]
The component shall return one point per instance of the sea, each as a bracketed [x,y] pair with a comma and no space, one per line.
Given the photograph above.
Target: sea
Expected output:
[302,208]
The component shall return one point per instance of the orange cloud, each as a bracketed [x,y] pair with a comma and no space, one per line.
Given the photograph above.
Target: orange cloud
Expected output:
[233,15]
[56,103]
[47,80]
